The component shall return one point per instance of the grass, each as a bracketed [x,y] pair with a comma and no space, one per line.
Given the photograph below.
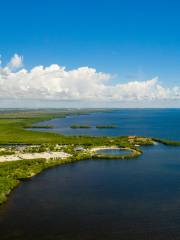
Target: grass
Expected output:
[13,129]
[45,127]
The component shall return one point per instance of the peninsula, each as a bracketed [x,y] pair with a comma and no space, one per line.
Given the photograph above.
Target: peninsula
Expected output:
[25,153]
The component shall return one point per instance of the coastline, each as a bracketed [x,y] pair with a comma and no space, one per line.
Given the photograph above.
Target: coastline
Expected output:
[13,131]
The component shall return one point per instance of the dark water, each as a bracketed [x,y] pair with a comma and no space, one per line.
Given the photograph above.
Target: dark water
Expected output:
[136,199]
[99,199]
[115,152]
[162,123]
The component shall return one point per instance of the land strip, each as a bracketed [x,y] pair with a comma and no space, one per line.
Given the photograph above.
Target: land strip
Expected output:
[45,150]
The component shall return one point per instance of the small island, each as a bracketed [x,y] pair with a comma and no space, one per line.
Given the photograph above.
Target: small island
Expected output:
[79,126]
[25,153]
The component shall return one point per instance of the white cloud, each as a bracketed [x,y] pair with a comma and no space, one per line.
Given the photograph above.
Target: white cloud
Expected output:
[15,62]
[57,83]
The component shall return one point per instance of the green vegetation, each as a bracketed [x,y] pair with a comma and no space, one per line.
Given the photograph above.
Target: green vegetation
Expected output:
[13,133]
[47,126]
[13,129]
[79,126]
[11,173]
[8,152]
[167,142]
[106,126]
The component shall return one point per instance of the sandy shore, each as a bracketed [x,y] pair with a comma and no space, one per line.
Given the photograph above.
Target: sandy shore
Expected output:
[44,155]
[105,147]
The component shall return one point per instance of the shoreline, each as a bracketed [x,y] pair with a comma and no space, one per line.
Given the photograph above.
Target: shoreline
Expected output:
[105,147]
[13,133]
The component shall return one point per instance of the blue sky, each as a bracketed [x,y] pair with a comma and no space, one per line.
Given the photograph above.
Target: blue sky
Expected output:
[132,40]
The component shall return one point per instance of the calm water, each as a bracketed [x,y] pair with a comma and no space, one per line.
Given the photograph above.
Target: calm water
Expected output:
[99,199]
[114,152]
[162,123]
[135,199]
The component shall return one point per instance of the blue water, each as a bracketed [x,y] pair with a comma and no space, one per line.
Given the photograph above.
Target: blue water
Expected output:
[163,123]
[114,152]
[136,199]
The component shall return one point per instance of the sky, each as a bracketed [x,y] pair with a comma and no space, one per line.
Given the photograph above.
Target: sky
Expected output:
[72,53]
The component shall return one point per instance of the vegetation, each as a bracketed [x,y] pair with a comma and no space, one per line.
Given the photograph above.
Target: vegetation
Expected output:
[79,126]
[46,127]
[13,133]
[11,173]
[167,142]
[8,152]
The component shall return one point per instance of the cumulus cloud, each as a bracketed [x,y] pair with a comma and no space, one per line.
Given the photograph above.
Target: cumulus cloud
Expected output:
[15,62]
[57,83]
